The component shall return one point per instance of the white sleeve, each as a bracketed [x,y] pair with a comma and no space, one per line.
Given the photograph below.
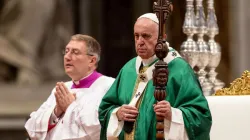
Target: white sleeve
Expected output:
[53,118]
[37,124]
[81,122]
[114,127]
[175,130]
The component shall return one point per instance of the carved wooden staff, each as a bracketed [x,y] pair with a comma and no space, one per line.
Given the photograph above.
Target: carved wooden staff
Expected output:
[162,8]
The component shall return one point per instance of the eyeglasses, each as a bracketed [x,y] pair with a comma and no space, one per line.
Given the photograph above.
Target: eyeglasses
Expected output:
[74,52]
[143,35]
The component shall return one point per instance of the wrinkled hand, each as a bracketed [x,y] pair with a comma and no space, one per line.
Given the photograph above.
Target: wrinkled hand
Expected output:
[127,113]
[163,109]
[63,98]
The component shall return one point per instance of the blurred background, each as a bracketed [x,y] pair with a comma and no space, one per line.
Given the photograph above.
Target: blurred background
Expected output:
[33,34]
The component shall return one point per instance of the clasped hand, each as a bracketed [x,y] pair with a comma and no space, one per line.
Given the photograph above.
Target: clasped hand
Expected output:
[163,109]
[127,113]
[63,98]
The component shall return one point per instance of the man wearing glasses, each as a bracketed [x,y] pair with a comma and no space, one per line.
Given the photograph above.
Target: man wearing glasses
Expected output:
[71,111]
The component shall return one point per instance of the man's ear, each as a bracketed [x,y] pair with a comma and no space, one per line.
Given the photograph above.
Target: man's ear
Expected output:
[93,60]
[165,36]
[172,7]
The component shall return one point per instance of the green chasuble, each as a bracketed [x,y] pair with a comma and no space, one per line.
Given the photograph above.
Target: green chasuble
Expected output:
[183,92]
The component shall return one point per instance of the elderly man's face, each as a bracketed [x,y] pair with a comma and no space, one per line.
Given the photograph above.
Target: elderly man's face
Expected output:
[146,34]
[77,62]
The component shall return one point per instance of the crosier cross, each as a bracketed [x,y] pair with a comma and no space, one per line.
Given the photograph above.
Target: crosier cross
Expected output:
[162,9]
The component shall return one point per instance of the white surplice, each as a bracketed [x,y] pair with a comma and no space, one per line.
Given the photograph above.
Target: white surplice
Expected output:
[80,121]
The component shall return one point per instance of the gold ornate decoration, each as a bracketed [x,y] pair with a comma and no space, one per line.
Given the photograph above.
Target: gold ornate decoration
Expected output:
[129,127]
[240,86]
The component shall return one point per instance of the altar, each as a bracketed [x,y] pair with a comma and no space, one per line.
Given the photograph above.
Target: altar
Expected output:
[231,117]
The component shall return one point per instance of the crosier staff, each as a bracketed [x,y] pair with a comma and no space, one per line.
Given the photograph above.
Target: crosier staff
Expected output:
[162,9]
